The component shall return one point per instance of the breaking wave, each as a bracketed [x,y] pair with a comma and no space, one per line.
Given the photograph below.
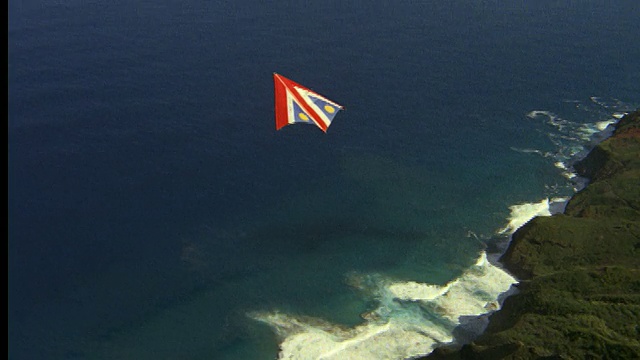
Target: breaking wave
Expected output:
[411,319]
[522,213]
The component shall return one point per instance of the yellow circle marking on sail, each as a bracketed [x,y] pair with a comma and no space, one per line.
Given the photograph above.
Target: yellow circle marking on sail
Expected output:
[303,117]
[329,109]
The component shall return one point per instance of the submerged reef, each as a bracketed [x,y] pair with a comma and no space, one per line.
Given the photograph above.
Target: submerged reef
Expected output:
[579,271]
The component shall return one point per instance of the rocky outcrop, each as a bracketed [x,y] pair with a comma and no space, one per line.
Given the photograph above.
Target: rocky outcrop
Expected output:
[579,295]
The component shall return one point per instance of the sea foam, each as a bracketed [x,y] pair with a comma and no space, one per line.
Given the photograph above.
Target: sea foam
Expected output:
[573,139]
[411,320]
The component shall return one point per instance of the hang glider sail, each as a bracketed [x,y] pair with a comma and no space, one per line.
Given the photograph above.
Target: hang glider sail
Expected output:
[296,104]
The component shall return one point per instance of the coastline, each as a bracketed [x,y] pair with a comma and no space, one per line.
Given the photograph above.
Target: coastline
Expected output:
[420,320]
[579,270]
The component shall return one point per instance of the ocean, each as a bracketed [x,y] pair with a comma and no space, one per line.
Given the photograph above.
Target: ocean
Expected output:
[156,213]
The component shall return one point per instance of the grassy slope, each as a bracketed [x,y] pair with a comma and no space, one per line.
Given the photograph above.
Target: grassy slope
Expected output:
[580,271]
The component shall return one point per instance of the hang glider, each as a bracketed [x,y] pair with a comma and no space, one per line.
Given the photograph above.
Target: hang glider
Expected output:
[296,104]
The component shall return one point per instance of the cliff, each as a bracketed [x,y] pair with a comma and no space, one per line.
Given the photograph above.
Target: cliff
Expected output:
[579,295]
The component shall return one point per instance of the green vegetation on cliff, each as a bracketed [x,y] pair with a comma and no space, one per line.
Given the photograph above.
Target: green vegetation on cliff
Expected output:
[579,296]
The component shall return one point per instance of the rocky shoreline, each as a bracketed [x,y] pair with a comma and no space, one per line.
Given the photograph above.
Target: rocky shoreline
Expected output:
[579,271]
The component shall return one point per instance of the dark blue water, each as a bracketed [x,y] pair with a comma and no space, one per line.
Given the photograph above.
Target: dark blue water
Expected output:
[152,204]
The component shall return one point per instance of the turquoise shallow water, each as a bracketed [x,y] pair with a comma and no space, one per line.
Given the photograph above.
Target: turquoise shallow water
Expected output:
[153,208]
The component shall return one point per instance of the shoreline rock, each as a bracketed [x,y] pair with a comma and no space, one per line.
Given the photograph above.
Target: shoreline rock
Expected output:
[579,295]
